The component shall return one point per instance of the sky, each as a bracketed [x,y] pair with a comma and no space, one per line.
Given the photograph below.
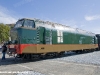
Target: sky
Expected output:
[82,14]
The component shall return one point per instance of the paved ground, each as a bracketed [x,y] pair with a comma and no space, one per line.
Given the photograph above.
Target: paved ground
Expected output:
[48,67]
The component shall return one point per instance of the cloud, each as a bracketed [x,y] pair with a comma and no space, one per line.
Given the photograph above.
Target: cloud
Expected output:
[71,23]
[97,30]
[90,18]
[5,16]
[82,25]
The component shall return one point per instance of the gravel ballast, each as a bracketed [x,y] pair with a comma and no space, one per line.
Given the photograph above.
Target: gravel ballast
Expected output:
[86,58]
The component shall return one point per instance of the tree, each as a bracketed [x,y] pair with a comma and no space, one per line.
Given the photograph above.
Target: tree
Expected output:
[4,32]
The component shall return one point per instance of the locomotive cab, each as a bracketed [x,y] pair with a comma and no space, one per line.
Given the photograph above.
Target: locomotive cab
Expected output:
[16,35]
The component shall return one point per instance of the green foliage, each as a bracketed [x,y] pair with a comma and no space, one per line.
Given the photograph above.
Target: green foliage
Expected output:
[4,32]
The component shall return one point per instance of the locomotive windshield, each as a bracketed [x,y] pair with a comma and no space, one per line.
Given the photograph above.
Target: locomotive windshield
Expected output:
[25,23]
[19,23]
[29,24]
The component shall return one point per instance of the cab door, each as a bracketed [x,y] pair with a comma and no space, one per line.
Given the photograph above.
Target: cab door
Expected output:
[44,35]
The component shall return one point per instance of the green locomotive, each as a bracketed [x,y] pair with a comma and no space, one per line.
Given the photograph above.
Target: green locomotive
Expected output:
[34,38]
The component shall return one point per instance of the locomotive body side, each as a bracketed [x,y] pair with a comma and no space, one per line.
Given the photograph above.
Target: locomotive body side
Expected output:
[68,42]
[49,37]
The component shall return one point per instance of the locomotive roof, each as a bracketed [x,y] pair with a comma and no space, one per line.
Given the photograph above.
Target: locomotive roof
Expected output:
[57,24]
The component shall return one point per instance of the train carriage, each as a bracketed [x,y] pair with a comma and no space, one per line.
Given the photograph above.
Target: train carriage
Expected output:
[98,39]
[34,37]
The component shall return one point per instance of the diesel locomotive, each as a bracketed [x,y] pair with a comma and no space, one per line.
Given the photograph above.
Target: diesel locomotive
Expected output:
[31,38]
